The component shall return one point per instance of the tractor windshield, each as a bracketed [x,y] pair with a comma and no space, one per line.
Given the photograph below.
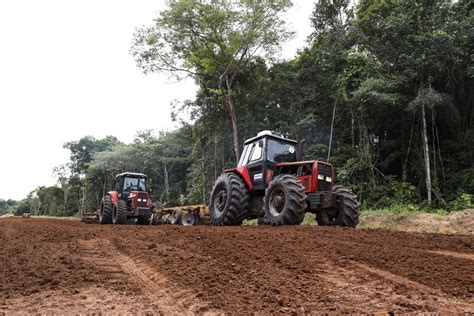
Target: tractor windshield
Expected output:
[281,152]
[135,184]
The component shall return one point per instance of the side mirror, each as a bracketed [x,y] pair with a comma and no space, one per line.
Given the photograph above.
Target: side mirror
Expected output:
[260,143]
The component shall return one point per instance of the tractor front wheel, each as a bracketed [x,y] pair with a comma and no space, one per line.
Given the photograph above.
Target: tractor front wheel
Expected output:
[229,200]
[347,214]
[119,215]
[285,201]
[105,212]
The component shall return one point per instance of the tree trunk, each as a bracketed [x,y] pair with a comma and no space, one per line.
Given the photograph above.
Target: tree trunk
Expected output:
[353,129]
[235,129]
[166,179]
[404,168]
[426,153]
[366,154]
[105,183]
[332,128]
[65,193]
[214,160]
[204,182]
[226,89]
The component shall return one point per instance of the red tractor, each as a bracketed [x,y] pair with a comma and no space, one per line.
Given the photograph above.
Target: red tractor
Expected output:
[270,183]
[128,202]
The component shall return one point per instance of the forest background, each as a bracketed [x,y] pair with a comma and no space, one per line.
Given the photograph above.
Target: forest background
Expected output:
[391,81]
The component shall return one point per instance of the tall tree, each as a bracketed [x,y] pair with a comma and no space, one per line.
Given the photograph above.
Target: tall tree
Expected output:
[412,40]
[213,42]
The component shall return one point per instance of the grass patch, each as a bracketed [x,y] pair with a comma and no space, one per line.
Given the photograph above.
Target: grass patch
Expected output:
[249,222]
[309,219]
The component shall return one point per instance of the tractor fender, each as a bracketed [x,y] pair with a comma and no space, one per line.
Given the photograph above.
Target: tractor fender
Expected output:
[113,196]
[244,173]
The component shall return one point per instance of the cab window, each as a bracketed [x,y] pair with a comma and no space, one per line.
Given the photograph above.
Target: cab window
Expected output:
[257,152]
[281,152]
[245,156]
[134,184]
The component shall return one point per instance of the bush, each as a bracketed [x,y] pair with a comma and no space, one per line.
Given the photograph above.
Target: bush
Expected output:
[462,201]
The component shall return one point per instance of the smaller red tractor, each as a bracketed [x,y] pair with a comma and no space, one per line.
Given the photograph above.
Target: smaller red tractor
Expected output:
[270,183]
[129,201]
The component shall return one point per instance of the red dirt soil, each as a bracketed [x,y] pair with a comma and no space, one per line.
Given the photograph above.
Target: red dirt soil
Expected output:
[56,266]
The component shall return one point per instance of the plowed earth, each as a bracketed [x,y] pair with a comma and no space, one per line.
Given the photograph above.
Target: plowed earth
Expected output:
[55,266]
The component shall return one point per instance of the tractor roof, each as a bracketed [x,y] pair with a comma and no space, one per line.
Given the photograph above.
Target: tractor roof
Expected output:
[271,134]
[131,175]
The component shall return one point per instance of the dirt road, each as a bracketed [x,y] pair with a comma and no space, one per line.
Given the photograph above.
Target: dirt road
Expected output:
[60,266]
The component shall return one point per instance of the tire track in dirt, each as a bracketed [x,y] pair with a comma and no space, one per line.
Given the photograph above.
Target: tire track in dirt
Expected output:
[458,255]
[155,287]
[365,286]
[436,299]
[409,262]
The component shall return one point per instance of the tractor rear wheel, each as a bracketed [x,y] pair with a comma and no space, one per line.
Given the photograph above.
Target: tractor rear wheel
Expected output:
[229,200]
[119,215]
[285,201]
[348,213]
[105,212]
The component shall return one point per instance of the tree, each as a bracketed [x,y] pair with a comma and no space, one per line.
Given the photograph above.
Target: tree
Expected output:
[416,41]
[82,151]
[213,42]
[62,173]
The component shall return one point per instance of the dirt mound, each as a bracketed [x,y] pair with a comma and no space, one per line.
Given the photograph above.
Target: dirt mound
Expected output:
[65,266]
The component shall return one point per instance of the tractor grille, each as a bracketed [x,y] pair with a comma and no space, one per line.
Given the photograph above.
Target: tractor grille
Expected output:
[326,171]
[142,199]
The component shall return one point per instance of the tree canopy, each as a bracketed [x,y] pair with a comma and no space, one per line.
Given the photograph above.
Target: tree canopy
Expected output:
[214,42]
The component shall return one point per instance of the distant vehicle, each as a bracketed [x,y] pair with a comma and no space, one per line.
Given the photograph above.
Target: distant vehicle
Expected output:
[129,201]
[26,215]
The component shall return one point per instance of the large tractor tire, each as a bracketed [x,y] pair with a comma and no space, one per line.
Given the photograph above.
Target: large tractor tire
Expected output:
[285,201]
[119,215]
[105,213]
[229,200]
[348,213]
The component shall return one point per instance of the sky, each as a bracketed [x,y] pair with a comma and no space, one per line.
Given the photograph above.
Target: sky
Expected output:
[66,72]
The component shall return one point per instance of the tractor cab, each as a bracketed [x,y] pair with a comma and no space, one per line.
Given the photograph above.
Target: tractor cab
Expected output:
[263,153]
[127,182]
[268,145]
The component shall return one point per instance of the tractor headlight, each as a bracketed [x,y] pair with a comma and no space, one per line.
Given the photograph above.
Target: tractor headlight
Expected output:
[320,177]
[328,179]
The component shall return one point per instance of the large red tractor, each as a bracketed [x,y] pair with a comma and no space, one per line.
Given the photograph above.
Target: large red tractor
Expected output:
[129,201]
[270,183]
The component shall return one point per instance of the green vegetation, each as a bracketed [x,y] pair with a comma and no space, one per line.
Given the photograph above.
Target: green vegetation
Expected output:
[398,75]
[8,207]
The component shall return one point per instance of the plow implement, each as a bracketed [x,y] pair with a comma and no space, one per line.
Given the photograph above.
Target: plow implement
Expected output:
[188,215]
[89,217]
